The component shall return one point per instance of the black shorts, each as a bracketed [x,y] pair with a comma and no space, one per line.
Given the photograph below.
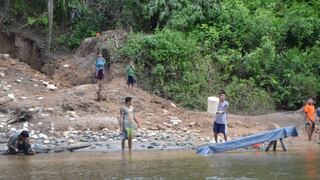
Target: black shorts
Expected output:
[100,74]
[130,80]
[312,124]
[219,128]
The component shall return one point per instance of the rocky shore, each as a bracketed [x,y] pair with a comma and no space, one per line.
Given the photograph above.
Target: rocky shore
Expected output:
[106,140]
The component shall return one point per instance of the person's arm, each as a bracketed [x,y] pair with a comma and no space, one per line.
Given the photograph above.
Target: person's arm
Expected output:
[121,120]
[136,119]
[12,145]
[224,109]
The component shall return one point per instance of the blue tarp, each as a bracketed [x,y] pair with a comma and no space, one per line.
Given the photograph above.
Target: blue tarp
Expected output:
[267,136]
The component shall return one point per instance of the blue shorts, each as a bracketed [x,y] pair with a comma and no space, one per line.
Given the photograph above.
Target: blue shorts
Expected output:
[219,128]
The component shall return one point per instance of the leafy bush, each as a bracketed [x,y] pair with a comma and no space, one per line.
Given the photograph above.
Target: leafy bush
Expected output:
[170,65]
[245,98]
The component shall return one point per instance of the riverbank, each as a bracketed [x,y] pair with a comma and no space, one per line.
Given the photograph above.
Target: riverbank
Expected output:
[60,108]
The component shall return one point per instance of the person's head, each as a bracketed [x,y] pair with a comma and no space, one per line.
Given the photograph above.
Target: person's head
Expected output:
[24,135]
[131,62]
[222,96]
[99,54]
[310,101]
[128,101]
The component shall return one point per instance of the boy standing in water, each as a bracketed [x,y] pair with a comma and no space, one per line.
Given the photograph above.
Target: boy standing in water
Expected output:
[310,116]
[126,122]
[220,123]
[130,75]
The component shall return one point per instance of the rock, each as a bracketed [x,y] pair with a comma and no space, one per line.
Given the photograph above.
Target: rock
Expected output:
[173,105]
[40,98]
[12,130]
[45,83]
[23,98]
[231,125]
[18,81]
[11,96]
[34,136]
[6,56]
[150,147]
[70,141]
[168,125]
[43,136]
[46,142]
[165,112]
[72,114]
[66,65]
[2,74]
[35,85]
[192,124]
[25,125]
[51,87]
[160,127]
[155,144]
[272,126]
[40,123]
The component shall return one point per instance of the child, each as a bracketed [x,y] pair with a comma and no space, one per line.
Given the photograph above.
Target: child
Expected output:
[126,123]
[130,75]
[220,123]
[310,116]
[100,63]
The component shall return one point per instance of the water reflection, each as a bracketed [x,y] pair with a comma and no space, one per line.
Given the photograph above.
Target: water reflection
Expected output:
[163,165]
[311,167]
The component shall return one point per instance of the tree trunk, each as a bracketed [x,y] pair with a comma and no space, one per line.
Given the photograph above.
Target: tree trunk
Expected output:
[4,10]
[50,19]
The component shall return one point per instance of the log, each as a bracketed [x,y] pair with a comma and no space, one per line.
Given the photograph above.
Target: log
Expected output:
[70,148]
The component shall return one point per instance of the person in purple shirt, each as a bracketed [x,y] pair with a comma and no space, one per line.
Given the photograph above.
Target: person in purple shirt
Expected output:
[220,118]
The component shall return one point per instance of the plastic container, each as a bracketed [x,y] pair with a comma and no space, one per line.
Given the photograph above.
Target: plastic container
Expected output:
[213,104]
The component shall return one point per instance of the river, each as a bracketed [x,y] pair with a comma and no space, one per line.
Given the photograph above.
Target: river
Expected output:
[296,164]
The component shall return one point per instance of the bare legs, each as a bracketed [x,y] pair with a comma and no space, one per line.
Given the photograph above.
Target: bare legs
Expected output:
[216,137]
[310,130]
[130,87]
[129,145]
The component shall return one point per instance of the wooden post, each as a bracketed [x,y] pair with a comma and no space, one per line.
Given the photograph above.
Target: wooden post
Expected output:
[284,147]
[275,145]
[270,144]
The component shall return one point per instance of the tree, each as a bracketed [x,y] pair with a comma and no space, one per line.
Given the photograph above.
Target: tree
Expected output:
[50,17]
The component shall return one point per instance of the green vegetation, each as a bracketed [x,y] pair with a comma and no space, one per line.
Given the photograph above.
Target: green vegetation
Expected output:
[264,53]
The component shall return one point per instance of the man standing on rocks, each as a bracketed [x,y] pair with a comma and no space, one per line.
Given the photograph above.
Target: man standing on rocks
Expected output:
[126,122]
[19,143]
[220,123]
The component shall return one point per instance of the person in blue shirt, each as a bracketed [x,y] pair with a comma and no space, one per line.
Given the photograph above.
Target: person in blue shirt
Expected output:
[220,123]
[100,63]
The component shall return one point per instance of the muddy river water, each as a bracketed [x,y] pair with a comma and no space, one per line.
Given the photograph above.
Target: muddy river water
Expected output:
[296,164]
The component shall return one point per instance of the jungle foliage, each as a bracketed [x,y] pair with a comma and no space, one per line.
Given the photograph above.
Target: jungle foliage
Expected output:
[264,53]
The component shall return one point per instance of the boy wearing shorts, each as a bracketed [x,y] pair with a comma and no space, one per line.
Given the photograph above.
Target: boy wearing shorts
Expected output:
[220,122]
[126,122]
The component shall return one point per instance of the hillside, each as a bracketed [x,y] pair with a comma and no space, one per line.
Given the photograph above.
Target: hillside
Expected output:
[64,102]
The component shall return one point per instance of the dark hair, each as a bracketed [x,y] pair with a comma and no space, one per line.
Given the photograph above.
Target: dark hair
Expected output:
[128,99]
[222,92]
[24,134]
